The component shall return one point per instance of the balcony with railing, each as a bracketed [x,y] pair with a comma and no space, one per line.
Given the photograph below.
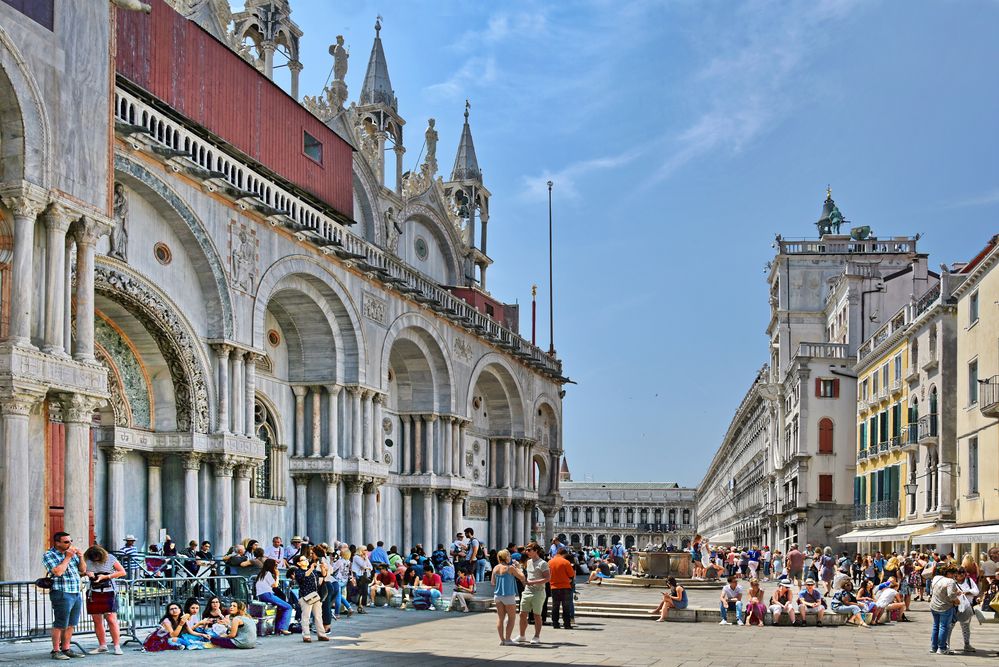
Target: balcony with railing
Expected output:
[844,245]
[879,510]
[863,455]
[790,506]
[988,397]
[895,442]
[823,350]
[927,426]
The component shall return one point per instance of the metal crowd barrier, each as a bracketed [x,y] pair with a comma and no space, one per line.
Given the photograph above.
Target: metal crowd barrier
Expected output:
[26,612]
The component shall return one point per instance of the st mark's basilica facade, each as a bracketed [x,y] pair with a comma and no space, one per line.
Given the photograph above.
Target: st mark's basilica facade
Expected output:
[227,312]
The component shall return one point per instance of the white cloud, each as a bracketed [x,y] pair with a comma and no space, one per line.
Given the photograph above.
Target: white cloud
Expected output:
[985,199]
[474,71]
[566,180]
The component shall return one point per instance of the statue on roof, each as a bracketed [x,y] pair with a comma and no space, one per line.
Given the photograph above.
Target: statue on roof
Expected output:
[340,55]
[832,219]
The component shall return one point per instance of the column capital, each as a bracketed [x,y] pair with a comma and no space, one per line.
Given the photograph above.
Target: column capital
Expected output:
[354,483]
[192,460]
[431,417]
[88,229]
[223,349]
[457,495]
[252,357]
[406,490]
[154,459]
[299,390]
[268,46]
[244,469]
[57,218]
[379,398]
[224,466]
[19,403]
[79,408]
[116,454]
[330,478]
[355,390]
[295,66]
[300,479]
[25,203]
[333,388]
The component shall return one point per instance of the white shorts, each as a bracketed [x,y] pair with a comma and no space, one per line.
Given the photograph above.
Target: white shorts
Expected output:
[510,600]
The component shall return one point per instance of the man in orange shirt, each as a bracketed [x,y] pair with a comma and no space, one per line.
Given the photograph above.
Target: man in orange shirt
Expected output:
[562,574]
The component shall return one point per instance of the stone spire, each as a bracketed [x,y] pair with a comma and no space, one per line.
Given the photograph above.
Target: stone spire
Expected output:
[377,88]
[466,166]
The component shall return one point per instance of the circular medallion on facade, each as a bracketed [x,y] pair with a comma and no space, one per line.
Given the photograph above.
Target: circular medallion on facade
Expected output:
[388,458]
[162,253]
[477,402]
[420,245]
[476,446]
[475,474]
[273,338]
[388,442]
[387,425]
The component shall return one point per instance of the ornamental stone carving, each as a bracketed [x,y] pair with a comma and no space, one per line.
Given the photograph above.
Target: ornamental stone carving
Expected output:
[224,466]
[374,308]
[191,461]
[462,349]
[244,258]
[171,336]
[79,408]
[25,206]
[330,478]
[116,454]
[476,508]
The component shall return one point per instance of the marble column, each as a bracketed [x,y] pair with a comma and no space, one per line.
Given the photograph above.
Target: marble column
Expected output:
[250,394]
[17,562]
[418,444]
[154,497]
[356,431]
[354,486]
[87,232]
[550,525]
[447,456]
[223,503]
[301,500]
[56,225]
[222,355]
[507,522]
[317,425]
[69,261]
[238,389]
[528,522]
[457,514]
[518,522]
[492,454]
[371,512]
[299,392]
[444,522]
[25,207]
[508,464]
[192,464]
[115,457]
[332,482]
[366,419]
[404,444]
[518,464]
[494,526]
[333,423]
[241,513]
[459,446]
[378,433]
[428,519]
[407,519]
[78,415]
[431,442]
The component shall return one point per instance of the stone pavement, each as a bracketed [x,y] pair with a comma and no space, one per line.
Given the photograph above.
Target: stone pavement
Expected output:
[391,637]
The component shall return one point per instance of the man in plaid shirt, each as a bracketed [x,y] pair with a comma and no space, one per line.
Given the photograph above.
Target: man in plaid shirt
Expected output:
[65,564]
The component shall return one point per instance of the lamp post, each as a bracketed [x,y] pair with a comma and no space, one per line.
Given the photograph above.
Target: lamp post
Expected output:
[551,302]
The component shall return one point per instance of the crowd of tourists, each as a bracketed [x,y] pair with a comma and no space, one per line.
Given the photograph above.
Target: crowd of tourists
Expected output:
[310,586]
[866,588]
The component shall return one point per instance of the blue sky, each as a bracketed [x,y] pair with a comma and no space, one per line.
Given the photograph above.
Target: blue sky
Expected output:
[681,137]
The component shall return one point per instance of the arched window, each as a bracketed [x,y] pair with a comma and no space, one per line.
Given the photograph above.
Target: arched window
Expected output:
[589,514]
[561,515]
[575,515]
[602,514]
[263,482]
[825,436]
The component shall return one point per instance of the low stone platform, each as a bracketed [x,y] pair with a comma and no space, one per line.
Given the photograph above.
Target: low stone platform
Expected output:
[623,580]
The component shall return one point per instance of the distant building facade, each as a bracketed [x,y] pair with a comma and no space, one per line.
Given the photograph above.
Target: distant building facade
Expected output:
[637,514]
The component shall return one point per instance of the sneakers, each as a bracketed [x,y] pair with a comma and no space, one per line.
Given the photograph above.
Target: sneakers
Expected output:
[535,639]
[739,622]
[70,653]
[723,622]
[117,651]
[519,639]
[58,655]
[969,649]
[433,608]
[944,651]
[98,650]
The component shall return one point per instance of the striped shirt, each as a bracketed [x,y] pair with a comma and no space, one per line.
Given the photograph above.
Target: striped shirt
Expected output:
[107,567]
[69,582]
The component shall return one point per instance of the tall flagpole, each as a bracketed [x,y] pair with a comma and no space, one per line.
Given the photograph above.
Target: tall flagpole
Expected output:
[534,314]
[551,300]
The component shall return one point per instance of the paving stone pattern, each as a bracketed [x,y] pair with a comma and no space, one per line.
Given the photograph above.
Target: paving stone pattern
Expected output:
[415,638]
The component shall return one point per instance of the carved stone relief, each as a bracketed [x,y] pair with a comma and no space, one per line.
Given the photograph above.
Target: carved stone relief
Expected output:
[243,241]
[119,234]
[374,308]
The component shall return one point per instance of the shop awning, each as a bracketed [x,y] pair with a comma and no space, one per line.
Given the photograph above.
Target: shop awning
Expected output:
[903,532]
[857,536]
[965,535]
[728,537]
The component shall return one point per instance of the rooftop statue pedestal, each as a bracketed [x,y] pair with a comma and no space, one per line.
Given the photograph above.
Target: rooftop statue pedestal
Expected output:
[664,564]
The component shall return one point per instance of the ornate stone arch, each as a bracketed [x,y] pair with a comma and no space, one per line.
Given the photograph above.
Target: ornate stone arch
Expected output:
[23,122]
[402,327]
[174,337]
[442,230]
[221,322]
[348,322]
[515,391]
[544,400]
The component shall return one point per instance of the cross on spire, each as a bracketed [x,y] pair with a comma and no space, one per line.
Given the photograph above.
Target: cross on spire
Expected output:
[378,24]
[468,105]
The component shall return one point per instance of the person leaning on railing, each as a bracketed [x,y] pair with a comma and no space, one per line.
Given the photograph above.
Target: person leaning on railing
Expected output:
[65,564]
[102,570]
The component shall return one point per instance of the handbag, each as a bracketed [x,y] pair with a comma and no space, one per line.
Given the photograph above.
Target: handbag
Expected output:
[45,582]
[100,602]
[979,615]
[311,598]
